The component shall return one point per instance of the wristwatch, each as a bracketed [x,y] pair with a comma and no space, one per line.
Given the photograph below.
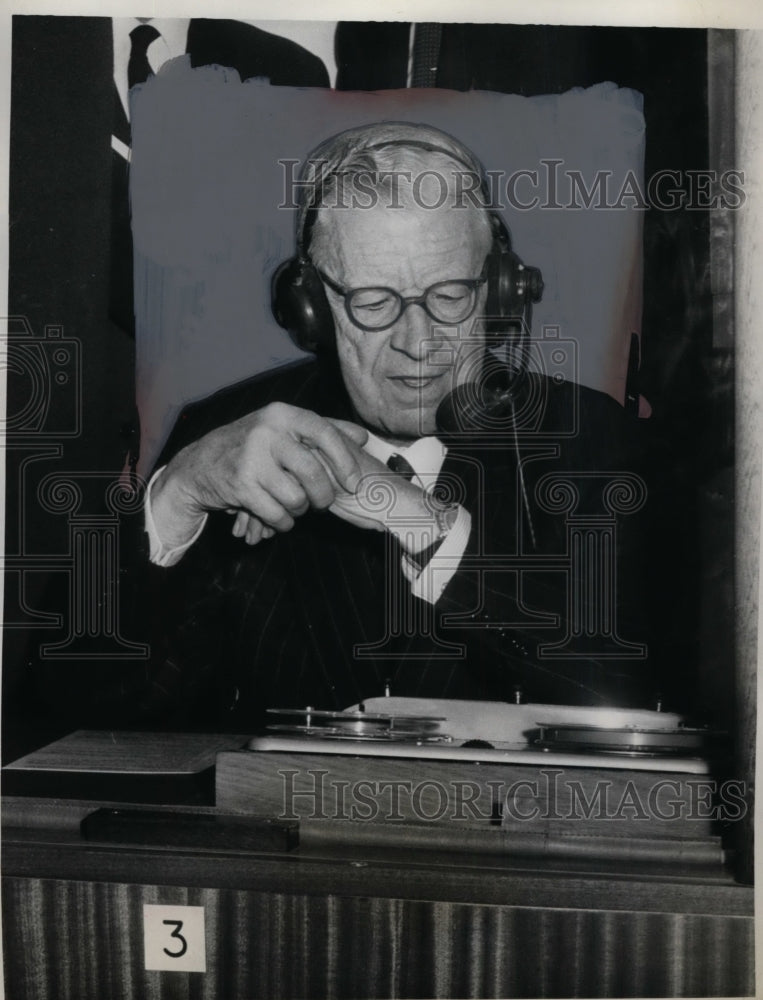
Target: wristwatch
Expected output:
[445,517]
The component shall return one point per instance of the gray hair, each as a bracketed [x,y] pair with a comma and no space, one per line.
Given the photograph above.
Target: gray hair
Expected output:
[375,152]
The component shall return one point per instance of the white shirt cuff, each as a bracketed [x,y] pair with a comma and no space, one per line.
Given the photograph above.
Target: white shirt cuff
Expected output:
[429,583]
[158,552]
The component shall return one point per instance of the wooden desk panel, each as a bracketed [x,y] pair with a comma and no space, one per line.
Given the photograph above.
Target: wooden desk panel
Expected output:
[83,940]
[368,910]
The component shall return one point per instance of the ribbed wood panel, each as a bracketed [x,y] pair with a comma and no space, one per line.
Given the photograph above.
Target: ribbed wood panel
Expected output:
[84,941]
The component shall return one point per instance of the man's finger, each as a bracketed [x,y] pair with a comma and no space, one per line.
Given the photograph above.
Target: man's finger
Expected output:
[355,432]
[311,473]
[240,524]
[284,488]
[269,510]
[335,448]
[254,531]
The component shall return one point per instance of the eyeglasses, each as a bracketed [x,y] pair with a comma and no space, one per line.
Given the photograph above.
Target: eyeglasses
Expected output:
[375,309]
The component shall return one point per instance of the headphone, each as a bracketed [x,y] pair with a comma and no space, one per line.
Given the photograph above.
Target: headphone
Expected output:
[298,297]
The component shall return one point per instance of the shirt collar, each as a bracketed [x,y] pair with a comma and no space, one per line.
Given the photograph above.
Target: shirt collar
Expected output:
[425,455]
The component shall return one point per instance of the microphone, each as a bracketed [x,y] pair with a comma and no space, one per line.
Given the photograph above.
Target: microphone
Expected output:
[490,405]
[483,406]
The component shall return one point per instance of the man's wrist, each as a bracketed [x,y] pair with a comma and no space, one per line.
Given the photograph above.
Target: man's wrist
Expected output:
[445,517]
[429,580]
[421,538]
[176,515]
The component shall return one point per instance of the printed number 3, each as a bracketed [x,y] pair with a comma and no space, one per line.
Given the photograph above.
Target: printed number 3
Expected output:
[176,934]
[173,938]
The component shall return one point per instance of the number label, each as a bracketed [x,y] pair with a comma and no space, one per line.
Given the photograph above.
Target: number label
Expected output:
[173,938]
[178,925]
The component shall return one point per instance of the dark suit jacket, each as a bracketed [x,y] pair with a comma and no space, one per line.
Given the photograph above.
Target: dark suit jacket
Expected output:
[322,615]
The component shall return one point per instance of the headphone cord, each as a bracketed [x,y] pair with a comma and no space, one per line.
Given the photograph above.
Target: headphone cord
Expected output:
[520,467]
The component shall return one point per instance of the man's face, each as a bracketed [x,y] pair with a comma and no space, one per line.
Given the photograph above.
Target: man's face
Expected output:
[397,377]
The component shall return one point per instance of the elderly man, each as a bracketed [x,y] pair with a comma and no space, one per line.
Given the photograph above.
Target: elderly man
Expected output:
[395,522]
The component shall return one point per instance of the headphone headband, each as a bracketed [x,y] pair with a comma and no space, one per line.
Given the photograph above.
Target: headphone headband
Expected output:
[299,299]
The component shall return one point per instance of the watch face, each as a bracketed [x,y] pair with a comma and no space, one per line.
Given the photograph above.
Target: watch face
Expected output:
[445,518]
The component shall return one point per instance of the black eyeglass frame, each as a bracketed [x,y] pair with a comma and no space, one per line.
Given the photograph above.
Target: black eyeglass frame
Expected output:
[473,284]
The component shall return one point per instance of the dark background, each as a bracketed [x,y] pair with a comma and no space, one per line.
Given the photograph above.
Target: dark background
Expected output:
[59,267]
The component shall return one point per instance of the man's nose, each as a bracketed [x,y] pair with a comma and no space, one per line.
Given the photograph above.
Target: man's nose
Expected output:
[413,332]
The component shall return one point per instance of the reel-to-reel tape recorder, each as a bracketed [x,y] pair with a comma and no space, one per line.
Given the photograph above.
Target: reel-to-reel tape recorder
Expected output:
[436,768]
[494,732]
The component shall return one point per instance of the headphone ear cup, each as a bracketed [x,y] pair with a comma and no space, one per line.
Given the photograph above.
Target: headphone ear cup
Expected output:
[512,287]
[299,304]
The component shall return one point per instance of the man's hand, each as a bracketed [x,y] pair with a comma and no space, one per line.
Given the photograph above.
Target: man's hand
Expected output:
[382,501]
[270,466]
[385,501]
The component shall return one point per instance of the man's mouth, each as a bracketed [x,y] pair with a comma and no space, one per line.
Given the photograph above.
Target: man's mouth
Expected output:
[416,381]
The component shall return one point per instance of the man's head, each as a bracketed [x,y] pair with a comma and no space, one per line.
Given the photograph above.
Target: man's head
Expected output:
[395,223]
